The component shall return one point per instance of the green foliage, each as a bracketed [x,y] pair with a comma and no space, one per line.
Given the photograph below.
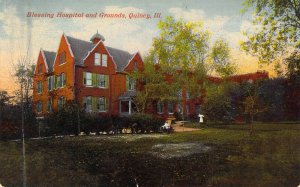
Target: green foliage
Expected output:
[155,87]
[276,30]
[175,61]
[218,104]
[180,45]
[220,56]
[272,95]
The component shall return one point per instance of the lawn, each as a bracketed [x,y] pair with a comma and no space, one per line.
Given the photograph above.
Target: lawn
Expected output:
[212,156]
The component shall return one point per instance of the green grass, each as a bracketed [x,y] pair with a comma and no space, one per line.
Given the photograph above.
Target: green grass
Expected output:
[269,157]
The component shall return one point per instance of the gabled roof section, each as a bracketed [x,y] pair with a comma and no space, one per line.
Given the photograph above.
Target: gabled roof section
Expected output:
[121,58]
[49,56]
[81,49]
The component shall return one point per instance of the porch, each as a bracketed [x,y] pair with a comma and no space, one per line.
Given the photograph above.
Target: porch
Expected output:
[126,104]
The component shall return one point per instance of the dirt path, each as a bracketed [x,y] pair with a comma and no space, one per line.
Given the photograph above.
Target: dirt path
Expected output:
[179,127]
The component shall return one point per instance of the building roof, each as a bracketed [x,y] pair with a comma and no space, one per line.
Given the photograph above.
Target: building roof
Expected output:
[81,48]
[50,57]
[120,57]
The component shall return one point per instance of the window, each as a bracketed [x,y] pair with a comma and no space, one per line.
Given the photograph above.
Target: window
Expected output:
[104,60]
[170,108]
[39,107]
[87,104]
[58,81]
[40,69]
[62,58]
[63,80]
[87,79]
[51,83]
[49,105]
[97,59]
[102,104]
[39,87]
[179,109]
[95,104]
[130,83]
[61,102]
[160,107]
[103,81]
[187,108]
[95,80]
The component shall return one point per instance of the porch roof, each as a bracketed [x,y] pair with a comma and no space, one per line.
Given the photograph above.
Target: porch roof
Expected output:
[127,95]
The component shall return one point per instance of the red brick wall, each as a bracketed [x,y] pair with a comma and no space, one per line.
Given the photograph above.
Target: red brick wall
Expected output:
[68,69]
[83,91]
[40,77]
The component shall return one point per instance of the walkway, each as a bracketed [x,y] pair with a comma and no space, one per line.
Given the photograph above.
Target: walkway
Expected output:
[179,127]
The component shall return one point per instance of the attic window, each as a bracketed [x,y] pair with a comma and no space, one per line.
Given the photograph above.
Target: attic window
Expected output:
[40,69]
[62,58]
[135,65]
[104,60]
[97,59]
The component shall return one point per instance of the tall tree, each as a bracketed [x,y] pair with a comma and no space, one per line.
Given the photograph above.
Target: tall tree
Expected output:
[220,57]
[24,72]
[177,56]
[276,33]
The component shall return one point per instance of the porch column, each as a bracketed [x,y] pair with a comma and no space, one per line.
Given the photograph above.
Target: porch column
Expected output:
[129,107]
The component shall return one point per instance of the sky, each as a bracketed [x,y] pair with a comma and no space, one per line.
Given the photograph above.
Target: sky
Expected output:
[21,35]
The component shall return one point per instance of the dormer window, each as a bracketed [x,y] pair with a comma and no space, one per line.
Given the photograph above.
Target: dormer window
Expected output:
[97,59]
[62,58]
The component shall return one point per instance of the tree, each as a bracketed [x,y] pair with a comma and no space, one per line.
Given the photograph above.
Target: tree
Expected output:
[153,86]
[272,93]
[175,61]
[4,101]
[218,103]
[24,75]
[24,72]
[253,102]
[220,57]
[276,33]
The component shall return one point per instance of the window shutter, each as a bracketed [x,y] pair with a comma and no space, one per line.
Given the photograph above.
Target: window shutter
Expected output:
[127,82]
[98,80]
[84,78]
[94,79]
[94,104]
[106,81]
